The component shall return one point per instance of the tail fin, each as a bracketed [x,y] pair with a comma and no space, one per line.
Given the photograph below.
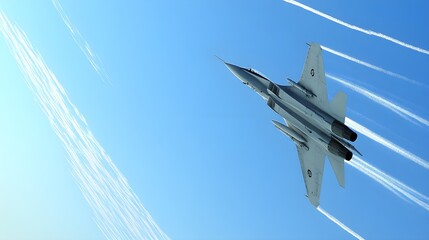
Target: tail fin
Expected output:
[337,165]
[337,106]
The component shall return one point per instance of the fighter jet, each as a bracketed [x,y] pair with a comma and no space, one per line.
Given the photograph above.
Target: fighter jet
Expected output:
[313,123]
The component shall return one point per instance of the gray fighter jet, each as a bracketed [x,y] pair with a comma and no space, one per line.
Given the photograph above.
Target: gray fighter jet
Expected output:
[314,124]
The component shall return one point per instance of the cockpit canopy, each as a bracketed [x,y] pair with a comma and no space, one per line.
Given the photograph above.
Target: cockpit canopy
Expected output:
[257,73]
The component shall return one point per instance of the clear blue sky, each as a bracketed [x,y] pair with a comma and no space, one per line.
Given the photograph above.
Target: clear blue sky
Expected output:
[197,146]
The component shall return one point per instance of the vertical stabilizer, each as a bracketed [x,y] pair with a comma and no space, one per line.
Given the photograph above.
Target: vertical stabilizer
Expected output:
[338,167]
[337,106]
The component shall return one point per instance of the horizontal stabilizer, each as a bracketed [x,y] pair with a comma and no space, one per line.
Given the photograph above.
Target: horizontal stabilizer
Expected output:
[337,164]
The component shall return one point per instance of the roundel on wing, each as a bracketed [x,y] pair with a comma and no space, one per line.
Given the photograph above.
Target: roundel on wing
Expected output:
[309,173]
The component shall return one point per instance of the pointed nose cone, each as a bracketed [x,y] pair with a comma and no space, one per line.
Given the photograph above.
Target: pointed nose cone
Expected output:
[236,70]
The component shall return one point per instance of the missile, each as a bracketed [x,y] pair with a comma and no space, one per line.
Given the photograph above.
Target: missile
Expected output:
[289,131]
[292,134]
[301,88]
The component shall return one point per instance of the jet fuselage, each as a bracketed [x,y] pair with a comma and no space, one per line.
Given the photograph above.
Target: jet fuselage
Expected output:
[309,119]
[313,123]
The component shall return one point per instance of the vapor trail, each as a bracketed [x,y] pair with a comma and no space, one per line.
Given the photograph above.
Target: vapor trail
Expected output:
[406,114]
[369,65]
[339,223]
[379,139]
[356,28]
[119,212]
[81,42]
[395,186]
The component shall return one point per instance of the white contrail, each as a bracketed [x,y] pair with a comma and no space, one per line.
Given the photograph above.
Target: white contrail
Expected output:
[375,137]
[356,28]
[406,114]
[369,65]
[82,43]
[395,186]
[339,223]
[119,212]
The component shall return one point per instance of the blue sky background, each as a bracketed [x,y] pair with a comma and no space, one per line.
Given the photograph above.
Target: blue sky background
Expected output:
[196,146]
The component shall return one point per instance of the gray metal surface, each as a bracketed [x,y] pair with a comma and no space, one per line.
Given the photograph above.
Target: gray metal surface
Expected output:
[315,125]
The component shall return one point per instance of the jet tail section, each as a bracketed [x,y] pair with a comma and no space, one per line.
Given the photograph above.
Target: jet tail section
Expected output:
[337,165]
[337,106]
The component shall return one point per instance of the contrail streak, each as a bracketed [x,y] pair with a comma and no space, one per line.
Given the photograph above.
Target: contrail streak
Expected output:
[379,139]
[395,186]
[356,28]
[406,114]
[119,212]
[339,223]
[369,65]
[81,42]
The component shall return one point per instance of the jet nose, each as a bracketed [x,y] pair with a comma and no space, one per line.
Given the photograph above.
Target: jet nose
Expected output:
[234,69]
[237,71]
